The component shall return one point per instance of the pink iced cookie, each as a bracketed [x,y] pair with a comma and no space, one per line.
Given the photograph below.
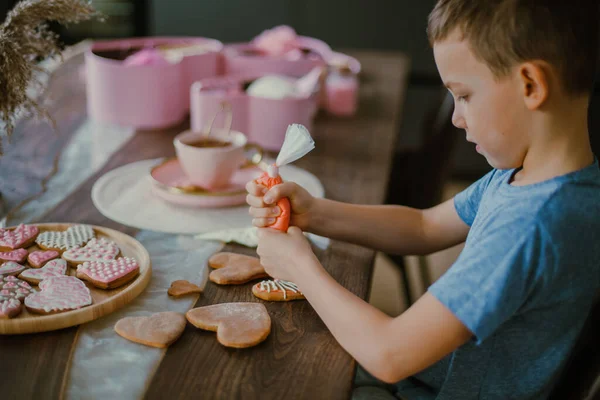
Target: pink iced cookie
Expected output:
[53,268]
[109,275]
[38,258]
[11,268]
[18,255]
[10,308]
[59,293]
[21,236]
[14,288]
[94,250]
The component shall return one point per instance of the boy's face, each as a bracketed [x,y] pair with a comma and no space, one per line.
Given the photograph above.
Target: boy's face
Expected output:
[491,111]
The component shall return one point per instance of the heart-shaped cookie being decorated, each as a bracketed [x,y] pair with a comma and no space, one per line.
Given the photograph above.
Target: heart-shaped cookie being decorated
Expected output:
[181,288]
[11,268]
[158,330]
[21,236]
[235,269]
[52,268]
[277,290]
[237,325]
[38,258]
[58,294]
[18,255]
[95,250]
[110,274]
[75,236]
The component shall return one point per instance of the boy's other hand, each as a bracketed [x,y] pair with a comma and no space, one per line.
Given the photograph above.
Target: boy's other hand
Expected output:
[263,203]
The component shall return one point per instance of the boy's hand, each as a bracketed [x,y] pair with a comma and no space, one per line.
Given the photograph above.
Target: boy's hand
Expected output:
[263,203]
[284,255]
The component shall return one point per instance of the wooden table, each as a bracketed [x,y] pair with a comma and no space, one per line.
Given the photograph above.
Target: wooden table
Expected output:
[300,359]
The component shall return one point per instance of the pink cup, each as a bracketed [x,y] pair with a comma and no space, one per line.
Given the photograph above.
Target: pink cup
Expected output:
[213,167]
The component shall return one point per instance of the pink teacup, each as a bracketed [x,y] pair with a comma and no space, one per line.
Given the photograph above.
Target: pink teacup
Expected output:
[210,161]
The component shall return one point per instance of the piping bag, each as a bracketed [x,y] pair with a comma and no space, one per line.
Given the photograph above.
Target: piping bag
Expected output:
[297,144]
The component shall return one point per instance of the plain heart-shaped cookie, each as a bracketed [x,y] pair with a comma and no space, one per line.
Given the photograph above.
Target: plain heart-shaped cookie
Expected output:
[235,269]
[109,274]
[52,268]
[18,255]
[237,325]
[95,250]
[38,258]
[158,330]
[75,236]
[58,294]
[181,288]
[21,236]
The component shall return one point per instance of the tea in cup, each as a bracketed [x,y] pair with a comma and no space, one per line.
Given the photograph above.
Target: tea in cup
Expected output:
[209,161]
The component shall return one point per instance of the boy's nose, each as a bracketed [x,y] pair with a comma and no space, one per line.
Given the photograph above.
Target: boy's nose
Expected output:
[458,120]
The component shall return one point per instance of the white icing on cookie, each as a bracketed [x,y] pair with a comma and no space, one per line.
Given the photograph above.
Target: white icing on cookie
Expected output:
[15,238]
[14,288]
[9,308]
[278,285]
[56,267]
[75,236]
[15,255]
[95,250]
[10,268]
[110,271]
[60,293]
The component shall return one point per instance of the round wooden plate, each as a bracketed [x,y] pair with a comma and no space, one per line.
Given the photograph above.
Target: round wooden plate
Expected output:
[103,301]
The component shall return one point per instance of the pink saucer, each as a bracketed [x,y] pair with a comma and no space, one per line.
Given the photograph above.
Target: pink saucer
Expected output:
[170,183]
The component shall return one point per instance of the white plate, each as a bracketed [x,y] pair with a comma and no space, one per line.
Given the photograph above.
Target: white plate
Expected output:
[125,195]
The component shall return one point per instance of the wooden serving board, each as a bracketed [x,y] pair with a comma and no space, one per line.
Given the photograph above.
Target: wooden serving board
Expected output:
[103,301]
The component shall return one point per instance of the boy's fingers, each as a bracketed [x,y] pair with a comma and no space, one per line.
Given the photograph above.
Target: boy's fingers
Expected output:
[264,212]
[255,189]
[263,222]
[254,201]
[280,191]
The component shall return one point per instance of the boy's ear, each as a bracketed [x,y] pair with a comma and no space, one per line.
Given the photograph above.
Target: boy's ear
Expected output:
[534,77]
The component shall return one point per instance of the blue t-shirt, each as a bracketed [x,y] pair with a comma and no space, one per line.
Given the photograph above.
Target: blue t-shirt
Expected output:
[523,284]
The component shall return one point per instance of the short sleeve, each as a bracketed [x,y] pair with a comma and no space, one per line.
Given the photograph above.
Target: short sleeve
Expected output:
[467,202]
[493,277]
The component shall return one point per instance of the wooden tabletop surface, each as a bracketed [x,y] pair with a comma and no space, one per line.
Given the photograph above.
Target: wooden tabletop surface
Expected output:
[300,359]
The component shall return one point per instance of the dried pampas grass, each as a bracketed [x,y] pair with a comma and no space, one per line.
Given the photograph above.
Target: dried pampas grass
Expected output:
[25,39]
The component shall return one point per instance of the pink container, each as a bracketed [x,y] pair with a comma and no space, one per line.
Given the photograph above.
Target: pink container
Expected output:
[264,121]
[145,96]
[341,86]
[238,59]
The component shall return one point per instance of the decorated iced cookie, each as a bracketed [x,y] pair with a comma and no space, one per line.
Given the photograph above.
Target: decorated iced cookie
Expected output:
[158,330]
[18,255]
[52,268]
[235,269]
[38,258]
[21,236]
[181,288]
[58,294]
[109,275]
[237,324]
[14,288]
[11,268]
[95,250]
[75,236]
[10,308]
[277,290]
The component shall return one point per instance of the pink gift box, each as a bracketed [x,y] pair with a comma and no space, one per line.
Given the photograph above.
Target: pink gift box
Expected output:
[245,58]
[263,120]
[145,96]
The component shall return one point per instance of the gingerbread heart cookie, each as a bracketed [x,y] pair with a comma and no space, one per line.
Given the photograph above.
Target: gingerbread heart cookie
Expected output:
[235,269]
[38,258]
[11,268]
[12,292]
[237,325]
[58,294]
[277,290]
[21,236]
[75,236]
[18,255]
[181,288]
[158,330]
[110,274]
[95,250]
[52,268]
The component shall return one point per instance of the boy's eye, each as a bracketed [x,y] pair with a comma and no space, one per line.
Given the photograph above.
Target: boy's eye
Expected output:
[463,98]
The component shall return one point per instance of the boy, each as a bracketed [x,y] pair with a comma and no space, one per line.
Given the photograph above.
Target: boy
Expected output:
[502,320]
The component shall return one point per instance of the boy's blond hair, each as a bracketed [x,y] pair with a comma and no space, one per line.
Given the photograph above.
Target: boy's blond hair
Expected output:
[501,33]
